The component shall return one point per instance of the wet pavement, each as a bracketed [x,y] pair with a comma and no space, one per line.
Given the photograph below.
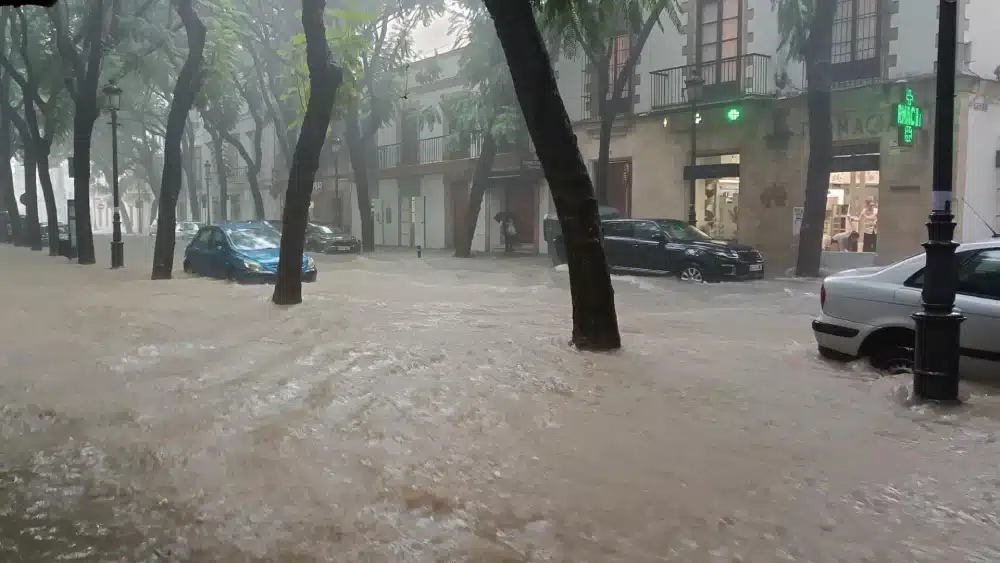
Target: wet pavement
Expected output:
[431,411]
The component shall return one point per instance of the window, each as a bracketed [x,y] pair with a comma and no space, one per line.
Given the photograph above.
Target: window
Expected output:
[981,275]
[719,28]
[203,237]
[620,49]
[917,279]
[621,229]
[856,42]
[648,231]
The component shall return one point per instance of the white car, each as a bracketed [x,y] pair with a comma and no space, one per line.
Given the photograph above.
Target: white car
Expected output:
[867,312]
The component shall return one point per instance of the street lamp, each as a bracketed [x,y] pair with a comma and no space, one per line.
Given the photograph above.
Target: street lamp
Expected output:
[693,85]
[208,193]
[335,145]
[936,350]
[114,94]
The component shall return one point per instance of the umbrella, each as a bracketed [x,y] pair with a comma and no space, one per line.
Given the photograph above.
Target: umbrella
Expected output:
[503,216]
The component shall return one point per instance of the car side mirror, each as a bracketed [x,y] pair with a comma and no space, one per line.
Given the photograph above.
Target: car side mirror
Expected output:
[659,237]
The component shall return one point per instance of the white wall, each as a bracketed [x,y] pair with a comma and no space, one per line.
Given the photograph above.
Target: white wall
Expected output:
[982,181]
[985,41]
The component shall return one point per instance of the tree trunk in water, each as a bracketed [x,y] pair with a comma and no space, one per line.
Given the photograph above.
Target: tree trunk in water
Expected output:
[819,106]
[484,165]
[51,212]
[83,129]
[185,92]
[595,323]
[222,183]
[604,154]
[359,163]
[7,176]
[324,80]
[32,230]
[191,177]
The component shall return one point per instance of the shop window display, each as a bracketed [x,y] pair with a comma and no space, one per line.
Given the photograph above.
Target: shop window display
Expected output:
[852,212]
[717,201]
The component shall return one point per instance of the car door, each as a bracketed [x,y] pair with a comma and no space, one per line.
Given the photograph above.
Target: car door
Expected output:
[648,247]
[196,251]
[215,254]
[618,240]
[979,300]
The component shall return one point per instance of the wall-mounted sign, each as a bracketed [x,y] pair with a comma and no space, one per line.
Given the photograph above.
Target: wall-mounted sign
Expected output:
[907,117]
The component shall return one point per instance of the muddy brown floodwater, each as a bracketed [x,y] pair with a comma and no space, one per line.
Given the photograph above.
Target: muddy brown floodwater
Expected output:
[415,411]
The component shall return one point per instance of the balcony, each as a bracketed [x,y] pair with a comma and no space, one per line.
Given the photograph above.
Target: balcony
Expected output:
[725,80]
[423,151]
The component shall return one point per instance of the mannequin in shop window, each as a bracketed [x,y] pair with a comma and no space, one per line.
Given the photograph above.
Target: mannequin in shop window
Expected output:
[868,225]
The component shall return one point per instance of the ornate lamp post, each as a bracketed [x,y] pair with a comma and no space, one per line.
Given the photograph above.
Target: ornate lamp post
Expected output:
[114,94]
[208,193]
[935,373]
[693,85]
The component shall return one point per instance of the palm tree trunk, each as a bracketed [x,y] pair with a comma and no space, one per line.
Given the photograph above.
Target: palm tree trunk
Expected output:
[819,107]
[480,181]
[595,322]
[324,79]
[185,92]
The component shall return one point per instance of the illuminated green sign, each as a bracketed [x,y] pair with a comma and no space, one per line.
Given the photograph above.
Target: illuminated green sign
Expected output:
[908,117]
[733,114]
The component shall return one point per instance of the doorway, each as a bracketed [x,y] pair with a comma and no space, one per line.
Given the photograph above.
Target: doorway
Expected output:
[619,189]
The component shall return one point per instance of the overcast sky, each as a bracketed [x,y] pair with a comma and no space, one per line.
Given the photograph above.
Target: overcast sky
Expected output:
[433,37]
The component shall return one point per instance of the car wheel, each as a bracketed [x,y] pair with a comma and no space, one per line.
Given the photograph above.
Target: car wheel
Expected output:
[894,359]
[691,273]
[231,274]
[187,266]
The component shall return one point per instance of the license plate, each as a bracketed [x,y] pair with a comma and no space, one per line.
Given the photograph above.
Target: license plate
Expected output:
[342,247]
[756,267]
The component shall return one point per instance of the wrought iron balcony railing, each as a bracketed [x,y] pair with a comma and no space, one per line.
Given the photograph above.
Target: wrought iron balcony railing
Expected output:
[724,80]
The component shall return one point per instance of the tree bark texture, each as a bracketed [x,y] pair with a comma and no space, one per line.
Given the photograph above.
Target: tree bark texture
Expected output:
[358,150]
[480,181]
[325,78]
[819,108]
[85,115]
[595,322]
[32,229]
[185,92]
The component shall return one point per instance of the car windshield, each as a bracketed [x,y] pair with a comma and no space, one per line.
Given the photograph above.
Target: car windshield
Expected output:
[322,229]
[682,231]
[253,239]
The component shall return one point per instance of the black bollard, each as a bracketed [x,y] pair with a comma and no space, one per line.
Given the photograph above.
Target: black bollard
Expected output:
[419,251]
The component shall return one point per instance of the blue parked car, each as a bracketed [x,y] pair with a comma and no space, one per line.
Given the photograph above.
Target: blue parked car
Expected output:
[243,252]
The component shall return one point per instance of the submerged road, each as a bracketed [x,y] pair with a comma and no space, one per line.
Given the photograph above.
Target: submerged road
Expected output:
[431,411]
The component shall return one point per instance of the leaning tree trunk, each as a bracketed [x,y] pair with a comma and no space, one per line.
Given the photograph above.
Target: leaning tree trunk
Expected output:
[359,163]
[185,92]
[324,79]
[819,106]
[595,323]
[480,181]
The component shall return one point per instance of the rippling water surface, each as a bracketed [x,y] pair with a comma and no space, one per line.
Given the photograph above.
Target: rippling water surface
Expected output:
[418,412]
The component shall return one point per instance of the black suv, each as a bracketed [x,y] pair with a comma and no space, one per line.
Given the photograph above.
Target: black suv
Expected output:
[672,246]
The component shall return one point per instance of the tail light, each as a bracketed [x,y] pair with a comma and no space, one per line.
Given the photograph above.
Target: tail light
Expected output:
[822,296]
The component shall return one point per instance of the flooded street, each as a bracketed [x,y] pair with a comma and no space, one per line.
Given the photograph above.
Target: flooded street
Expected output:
[432,411]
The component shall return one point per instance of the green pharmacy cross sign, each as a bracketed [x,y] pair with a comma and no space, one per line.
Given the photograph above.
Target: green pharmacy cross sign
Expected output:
[907,117]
